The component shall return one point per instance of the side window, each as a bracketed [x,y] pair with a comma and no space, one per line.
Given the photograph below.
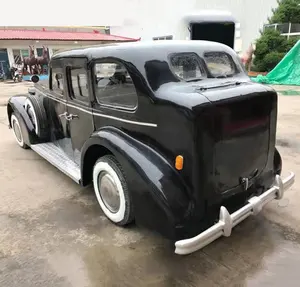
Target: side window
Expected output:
[78,84]
[58,81]
[114,86]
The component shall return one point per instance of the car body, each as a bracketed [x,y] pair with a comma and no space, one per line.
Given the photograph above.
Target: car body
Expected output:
[172,134]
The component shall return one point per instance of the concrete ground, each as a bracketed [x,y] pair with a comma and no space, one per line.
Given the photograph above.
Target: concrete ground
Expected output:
[52,232]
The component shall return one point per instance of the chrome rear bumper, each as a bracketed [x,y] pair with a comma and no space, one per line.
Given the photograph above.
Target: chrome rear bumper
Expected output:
[228,221]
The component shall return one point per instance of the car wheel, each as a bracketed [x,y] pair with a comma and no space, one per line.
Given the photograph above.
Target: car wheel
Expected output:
[35,109]
[111,190]
[15,124]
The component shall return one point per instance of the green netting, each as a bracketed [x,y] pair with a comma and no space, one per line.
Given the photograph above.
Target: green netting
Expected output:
[289,93]
[287,71]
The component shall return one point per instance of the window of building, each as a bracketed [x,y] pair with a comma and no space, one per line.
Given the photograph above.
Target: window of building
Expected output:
[39,52]
[114,86]
[58,81]
[17,56]
[79,84]
[169,37]
[25,53]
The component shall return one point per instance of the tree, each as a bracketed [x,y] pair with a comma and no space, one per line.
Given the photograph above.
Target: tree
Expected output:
[271,47]
[286,12]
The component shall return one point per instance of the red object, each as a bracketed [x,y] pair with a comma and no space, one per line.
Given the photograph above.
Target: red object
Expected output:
[246,124]
[6,34]
[25,73]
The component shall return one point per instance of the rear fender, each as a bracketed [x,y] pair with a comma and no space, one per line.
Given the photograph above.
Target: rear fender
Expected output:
[161,199]
[16,105]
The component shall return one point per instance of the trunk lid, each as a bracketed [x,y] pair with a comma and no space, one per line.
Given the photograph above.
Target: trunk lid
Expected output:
[240,119]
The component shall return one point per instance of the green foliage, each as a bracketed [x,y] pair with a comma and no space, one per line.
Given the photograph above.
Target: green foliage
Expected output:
[255,68]
[292,42]
[272,59]
[271,47]
[287,11]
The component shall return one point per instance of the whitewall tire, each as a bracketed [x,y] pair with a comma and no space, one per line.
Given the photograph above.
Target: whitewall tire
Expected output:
[111,190]
[16,127]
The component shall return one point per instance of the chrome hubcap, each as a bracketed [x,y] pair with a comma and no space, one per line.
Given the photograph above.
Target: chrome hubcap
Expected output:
[17,131]
[109,192]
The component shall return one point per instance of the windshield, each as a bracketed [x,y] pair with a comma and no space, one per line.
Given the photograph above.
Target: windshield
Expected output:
[220,64]
[187,67]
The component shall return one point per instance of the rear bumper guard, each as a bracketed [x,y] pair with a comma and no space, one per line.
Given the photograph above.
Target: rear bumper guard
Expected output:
[228,221]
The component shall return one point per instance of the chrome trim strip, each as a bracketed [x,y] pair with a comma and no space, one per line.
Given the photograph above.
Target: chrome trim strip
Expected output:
[92,112]
[228,221]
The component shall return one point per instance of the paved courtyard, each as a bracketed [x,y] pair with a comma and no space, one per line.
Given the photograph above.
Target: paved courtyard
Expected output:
[52,232]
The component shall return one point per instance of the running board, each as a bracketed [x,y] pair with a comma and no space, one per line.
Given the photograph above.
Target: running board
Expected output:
[57,157]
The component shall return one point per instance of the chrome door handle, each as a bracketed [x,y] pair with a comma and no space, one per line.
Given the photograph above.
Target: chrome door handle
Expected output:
[65,114]
[71,117]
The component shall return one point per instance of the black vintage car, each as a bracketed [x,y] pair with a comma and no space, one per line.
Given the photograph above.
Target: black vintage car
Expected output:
[172,134]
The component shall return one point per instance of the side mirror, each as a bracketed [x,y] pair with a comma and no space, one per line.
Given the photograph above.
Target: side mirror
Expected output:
[35,79]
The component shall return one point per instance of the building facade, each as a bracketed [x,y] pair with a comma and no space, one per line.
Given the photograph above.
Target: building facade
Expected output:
[15,42]
[157,18]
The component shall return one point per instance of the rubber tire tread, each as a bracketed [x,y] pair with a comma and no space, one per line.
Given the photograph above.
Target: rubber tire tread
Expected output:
[42,121]
[115,165]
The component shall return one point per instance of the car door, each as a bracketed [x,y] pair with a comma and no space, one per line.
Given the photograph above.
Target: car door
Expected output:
[57,108]
[79,112]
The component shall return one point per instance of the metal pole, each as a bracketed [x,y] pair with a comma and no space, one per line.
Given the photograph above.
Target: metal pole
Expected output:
[288,36]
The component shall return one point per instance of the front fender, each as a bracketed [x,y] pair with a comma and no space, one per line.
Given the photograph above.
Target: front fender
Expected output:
[161,199]
[16,105]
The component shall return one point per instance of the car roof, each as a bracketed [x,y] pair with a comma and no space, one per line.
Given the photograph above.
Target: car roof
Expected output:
[143,48]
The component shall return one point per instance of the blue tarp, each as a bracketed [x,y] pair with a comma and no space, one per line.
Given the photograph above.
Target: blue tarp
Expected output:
[28,77]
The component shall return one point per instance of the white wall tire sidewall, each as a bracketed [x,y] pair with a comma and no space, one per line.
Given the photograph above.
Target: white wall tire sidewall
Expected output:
[29,104]
[14,121]
[104,166]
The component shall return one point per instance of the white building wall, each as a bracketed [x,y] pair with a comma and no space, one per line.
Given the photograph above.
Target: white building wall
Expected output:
[148,19]
[151,18]
[252,14]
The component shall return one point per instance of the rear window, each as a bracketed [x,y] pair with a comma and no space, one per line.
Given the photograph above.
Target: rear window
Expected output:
[187,66]
[220,64]
[190,67]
